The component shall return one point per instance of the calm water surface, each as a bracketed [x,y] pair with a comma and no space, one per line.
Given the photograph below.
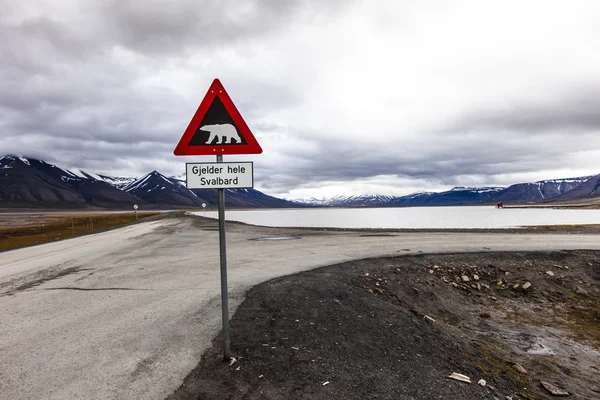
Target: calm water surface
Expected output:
[412,217]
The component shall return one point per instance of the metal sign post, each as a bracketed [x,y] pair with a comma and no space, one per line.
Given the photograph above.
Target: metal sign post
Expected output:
[223,252]
[218,128]
[221,175]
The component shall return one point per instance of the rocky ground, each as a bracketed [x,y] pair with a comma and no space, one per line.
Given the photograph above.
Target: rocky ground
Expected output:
[527,323]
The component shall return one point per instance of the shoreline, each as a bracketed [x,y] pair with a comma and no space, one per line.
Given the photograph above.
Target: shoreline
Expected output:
[38,221]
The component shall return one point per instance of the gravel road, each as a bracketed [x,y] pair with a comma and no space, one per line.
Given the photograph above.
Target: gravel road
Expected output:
[126,314]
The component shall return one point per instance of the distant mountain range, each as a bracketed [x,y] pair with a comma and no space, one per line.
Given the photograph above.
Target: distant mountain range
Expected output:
[28,182]
[556,190]
[366,200]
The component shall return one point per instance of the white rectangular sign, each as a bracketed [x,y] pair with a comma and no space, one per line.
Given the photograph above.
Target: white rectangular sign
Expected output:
[229,175]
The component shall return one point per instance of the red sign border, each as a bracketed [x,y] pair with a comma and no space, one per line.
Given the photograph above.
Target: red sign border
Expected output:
[217,89]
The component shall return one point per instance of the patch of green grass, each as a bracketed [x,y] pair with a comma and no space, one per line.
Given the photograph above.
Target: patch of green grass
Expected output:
[584,320]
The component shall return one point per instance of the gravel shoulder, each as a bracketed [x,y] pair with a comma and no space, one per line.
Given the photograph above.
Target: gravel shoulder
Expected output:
[396,328]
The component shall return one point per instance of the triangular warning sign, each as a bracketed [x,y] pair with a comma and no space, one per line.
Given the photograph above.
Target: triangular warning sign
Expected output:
[217,128]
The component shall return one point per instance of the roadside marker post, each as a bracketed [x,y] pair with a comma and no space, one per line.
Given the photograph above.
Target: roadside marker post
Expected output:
[217,128]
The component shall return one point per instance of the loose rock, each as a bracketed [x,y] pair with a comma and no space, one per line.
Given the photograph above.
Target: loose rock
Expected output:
[526,285]
[460,377]
[465,278]
[550,273]
[554,390]
[482,382]
[476,277]
[519,368]
[428,318]
[581,291]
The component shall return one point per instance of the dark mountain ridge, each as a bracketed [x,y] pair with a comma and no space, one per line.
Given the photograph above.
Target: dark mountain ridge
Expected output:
[33,183]
[539,191]
[455,196]
[21,185]
[590,189]
[155,188]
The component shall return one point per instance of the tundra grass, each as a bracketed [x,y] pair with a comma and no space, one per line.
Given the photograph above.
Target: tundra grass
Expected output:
[24,231]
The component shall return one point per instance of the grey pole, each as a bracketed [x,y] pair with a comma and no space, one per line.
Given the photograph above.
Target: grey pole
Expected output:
[223,251]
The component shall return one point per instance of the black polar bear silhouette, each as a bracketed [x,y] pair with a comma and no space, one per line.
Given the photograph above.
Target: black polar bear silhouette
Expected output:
[221,131]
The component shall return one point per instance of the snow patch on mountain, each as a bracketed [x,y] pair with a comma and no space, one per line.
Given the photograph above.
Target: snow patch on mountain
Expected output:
[476,189]
[364,200]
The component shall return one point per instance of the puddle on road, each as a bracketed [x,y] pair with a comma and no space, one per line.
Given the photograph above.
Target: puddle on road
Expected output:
[378,235]
[277,238]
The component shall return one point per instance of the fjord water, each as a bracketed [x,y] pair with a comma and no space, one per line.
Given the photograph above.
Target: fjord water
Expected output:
[478,217]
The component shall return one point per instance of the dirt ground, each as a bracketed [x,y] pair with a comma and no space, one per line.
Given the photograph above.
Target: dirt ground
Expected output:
[396,328]
[26,230]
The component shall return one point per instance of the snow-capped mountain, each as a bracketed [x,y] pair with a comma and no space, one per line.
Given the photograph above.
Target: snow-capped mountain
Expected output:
[21,185]
[589,189]
[540,190]
[534,192]
[520,193]
[28,182]
[365,200]
[156,188]
[31,182]
[456,196]
[116,182]
[313,201]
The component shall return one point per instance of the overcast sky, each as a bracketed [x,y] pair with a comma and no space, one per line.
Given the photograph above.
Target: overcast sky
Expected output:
[345,97]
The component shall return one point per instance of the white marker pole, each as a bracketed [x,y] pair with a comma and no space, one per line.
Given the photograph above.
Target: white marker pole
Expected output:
[222,248]
[204,208]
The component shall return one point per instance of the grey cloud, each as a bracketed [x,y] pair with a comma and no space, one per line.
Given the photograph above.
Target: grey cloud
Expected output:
[575,109]
[152,27]
[57,78]
[444,160]
[71,95]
